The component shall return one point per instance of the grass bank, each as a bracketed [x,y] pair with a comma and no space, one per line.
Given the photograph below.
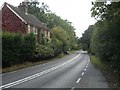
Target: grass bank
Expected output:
[110,74]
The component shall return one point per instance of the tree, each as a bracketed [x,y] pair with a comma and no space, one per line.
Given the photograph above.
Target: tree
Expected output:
[107,32]
[51,20]
[84,41]
[59,35]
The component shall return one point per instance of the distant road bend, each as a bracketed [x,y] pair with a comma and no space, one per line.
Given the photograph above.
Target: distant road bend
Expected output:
[73,71]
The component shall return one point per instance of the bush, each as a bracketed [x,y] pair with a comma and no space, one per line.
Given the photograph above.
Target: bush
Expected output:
[16,48]
[10,48]
[56,45]
[43,52]
[28,47]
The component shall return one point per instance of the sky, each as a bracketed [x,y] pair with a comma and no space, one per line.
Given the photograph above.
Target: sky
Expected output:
[75,11]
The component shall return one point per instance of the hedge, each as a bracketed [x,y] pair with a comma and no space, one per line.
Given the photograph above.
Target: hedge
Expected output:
[17,48]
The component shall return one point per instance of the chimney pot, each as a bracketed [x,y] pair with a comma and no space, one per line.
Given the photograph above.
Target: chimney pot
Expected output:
[23,7]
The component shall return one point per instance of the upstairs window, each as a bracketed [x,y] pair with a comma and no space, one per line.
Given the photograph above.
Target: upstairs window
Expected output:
[28,28]
[34,30]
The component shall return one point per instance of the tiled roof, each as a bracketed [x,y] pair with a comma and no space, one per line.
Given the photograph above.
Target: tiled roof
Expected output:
[29,18]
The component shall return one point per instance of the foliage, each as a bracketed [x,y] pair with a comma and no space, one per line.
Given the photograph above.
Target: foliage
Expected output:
[51,20]
[97,62]
[105,40]
[39,12]
[19,49]
[56,45]
[16,48]
[28,47]
[103,37]
[43,52]
[59,43]
[10,48]
[84,41]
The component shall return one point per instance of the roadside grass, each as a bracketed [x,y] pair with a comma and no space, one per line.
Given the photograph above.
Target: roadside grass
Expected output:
[71,51]
[109,73]
[29,64]
[60,56]
[98,63]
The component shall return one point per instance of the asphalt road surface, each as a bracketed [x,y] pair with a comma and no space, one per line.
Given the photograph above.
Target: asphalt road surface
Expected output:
[73,71]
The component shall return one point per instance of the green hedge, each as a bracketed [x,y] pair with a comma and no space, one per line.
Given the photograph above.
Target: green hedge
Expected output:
[17,48]
[28,47]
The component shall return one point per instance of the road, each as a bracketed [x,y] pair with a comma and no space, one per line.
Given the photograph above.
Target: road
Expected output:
[73,71]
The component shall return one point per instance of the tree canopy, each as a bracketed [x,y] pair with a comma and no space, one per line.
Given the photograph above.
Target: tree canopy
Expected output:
[61,30]
[104,40]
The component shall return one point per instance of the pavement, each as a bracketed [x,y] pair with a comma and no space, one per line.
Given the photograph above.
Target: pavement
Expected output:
[72,71]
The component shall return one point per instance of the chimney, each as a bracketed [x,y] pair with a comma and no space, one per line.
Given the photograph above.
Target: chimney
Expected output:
[23,7]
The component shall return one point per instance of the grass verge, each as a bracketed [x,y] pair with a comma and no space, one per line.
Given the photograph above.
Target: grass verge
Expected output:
[110,74]
[29,64]
[98,63]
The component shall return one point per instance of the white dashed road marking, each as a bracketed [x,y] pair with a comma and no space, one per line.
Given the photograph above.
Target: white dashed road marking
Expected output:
[82,73]
[85,69]
[78,80]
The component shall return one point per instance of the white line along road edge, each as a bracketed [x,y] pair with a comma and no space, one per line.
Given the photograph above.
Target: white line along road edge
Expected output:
[36,75]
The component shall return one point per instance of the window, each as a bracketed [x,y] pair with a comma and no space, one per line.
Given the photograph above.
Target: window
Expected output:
[45,32]
[34,30]
[48,35]
[28,28]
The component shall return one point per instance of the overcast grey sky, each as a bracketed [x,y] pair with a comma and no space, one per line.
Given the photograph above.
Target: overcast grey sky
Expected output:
[75,11]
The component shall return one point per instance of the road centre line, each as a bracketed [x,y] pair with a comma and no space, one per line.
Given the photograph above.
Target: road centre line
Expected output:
[83,73]
[36,75]
[85,69]
[87,64]
[78,80]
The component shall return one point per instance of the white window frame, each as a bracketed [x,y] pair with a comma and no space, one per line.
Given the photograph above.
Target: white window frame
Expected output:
[34,30]
[28,28]
[49,34]
[45,32]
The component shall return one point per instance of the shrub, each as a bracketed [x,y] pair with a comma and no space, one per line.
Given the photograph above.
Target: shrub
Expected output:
[10,48]
[16,48]
[56,45]
[28,47]
[43,52]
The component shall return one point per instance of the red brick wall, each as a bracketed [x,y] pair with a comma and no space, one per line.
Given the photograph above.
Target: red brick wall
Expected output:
[10,22]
